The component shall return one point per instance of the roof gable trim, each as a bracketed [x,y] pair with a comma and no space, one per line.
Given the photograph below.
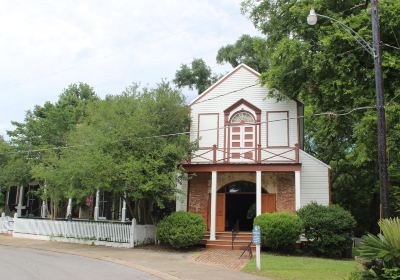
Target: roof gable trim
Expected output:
[242,65]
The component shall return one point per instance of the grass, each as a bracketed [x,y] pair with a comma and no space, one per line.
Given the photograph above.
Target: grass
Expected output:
[302,268]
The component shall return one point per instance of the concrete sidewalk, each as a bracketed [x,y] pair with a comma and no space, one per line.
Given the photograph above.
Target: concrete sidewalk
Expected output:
[160,263]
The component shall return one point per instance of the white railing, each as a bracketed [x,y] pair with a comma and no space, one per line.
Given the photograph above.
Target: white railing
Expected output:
[6,224]
[85,232]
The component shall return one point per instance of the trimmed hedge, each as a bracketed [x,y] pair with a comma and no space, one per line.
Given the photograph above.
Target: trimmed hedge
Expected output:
[329,229]
[181,229]
[280,230]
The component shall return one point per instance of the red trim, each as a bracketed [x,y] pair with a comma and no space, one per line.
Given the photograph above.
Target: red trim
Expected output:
[287,123]
[242,102]
[329,186]
[226,126]
[259,136]
[198,126]
[190,168]
[224,78]
[228,143]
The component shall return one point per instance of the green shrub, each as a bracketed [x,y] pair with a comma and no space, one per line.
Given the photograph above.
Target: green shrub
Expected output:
[381,254]
[181,229]
[280,230]
[329,229]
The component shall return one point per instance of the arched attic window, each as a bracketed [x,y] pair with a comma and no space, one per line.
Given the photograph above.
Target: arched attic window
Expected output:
[242,117]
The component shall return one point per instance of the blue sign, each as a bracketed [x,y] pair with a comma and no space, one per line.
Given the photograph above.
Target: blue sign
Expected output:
[256,235]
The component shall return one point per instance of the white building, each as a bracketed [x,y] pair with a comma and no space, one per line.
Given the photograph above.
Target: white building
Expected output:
[250,158]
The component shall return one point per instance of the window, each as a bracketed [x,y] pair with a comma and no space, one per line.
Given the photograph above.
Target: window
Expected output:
[242,136]
[278,129]
[208,130]
[242,117]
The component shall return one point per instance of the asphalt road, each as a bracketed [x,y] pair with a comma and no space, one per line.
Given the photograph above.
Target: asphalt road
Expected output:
[22,263]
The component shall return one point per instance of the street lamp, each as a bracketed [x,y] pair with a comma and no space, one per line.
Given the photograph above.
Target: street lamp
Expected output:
[312,17]
[375,51]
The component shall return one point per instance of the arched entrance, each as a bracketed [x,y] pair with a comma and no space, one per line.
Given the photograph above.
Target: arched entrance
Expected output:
[240,205]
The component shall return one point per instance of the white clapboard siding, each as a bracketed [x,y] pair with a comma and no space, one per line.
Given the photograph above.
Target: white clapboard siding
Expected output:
[97,233]
[221,99]
[314,180]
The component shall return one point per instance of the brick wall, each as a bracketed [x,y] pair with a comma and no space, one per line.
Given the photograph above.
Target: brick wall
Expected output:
[285,195]
[198,194]
[280,183]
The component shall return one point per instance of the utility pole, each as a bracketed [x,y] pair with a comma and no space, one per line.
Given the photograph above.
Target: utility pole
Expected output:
[380,103]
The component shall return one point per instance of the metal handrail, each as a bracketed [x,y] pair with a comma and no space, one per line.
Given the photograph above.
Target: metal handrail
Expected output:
[248,248]
[235,231]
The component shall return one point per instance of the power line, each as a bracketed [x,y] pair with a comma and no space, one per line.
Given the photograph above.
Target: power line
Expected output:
[328,113]
[287,73]
[390,46]
[229,92]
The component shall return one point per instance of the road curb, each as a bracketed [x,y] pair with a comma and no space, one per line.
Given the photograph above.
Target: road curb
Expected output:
[156,273]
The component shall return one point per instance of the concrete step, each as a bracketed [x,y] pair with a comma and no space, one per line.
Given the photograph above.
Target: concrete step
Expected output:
[227,242]
[228,236]
[239,238]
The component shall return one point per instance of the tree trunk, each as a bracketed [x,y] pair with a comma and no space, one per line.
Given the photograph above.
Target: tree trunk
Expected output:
[131,211]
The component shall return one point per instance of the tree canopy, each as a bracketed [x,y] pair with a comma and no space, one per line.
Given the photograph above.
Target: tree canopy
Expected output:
[248,50]
[324,66]
[123,145]
[126,143]
[197,76]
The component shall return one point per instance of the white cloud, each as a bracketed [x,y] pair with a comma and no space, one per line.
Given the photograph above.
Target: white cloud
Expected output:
[49,44]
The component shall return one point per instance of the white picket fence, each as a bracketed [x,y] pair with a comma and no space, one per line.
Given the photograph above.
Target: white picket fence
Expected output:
[6,224]
[113,234]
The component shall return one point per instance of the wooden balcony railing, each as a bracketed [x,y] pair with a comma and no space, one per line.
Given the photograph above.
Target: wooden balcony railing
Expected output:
[259,155]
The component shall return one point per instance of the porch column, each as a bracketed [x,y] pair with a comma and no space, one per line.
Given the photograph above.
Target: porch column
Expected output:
[181,195]
[213,204]
[20,197]
[43,209]
[96,208]
[297,190]
[123,214]
[43,212]
[69,208]
[258,193]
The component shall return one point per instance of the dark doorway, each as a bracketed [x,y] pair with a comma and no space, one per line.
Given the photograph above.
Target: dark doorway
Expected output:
[240,205]
[240,211]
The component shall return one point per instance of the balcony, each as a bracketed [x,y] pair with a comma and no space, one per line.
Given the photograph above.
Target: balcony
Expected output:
[258,155]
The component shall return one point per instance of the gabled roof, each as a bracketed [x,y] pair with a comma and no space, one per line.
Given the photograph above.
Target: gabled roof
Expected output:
[230,73]
[314,158]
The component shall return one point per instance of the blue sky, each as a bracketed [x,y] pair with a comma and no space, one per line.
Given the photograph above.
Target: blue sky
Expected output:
[47,45]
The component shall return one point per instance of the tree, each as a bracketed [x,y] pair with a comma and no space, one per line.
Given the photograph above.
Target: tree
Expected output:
[46,129]
[327,69]
[49,124]
[4,152]
[117,147]
[15,169]
[196,76]
[249,50]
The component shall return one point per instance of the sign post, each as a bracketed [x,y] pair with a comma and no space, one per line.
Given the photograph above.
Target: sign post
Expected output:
[257,241]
